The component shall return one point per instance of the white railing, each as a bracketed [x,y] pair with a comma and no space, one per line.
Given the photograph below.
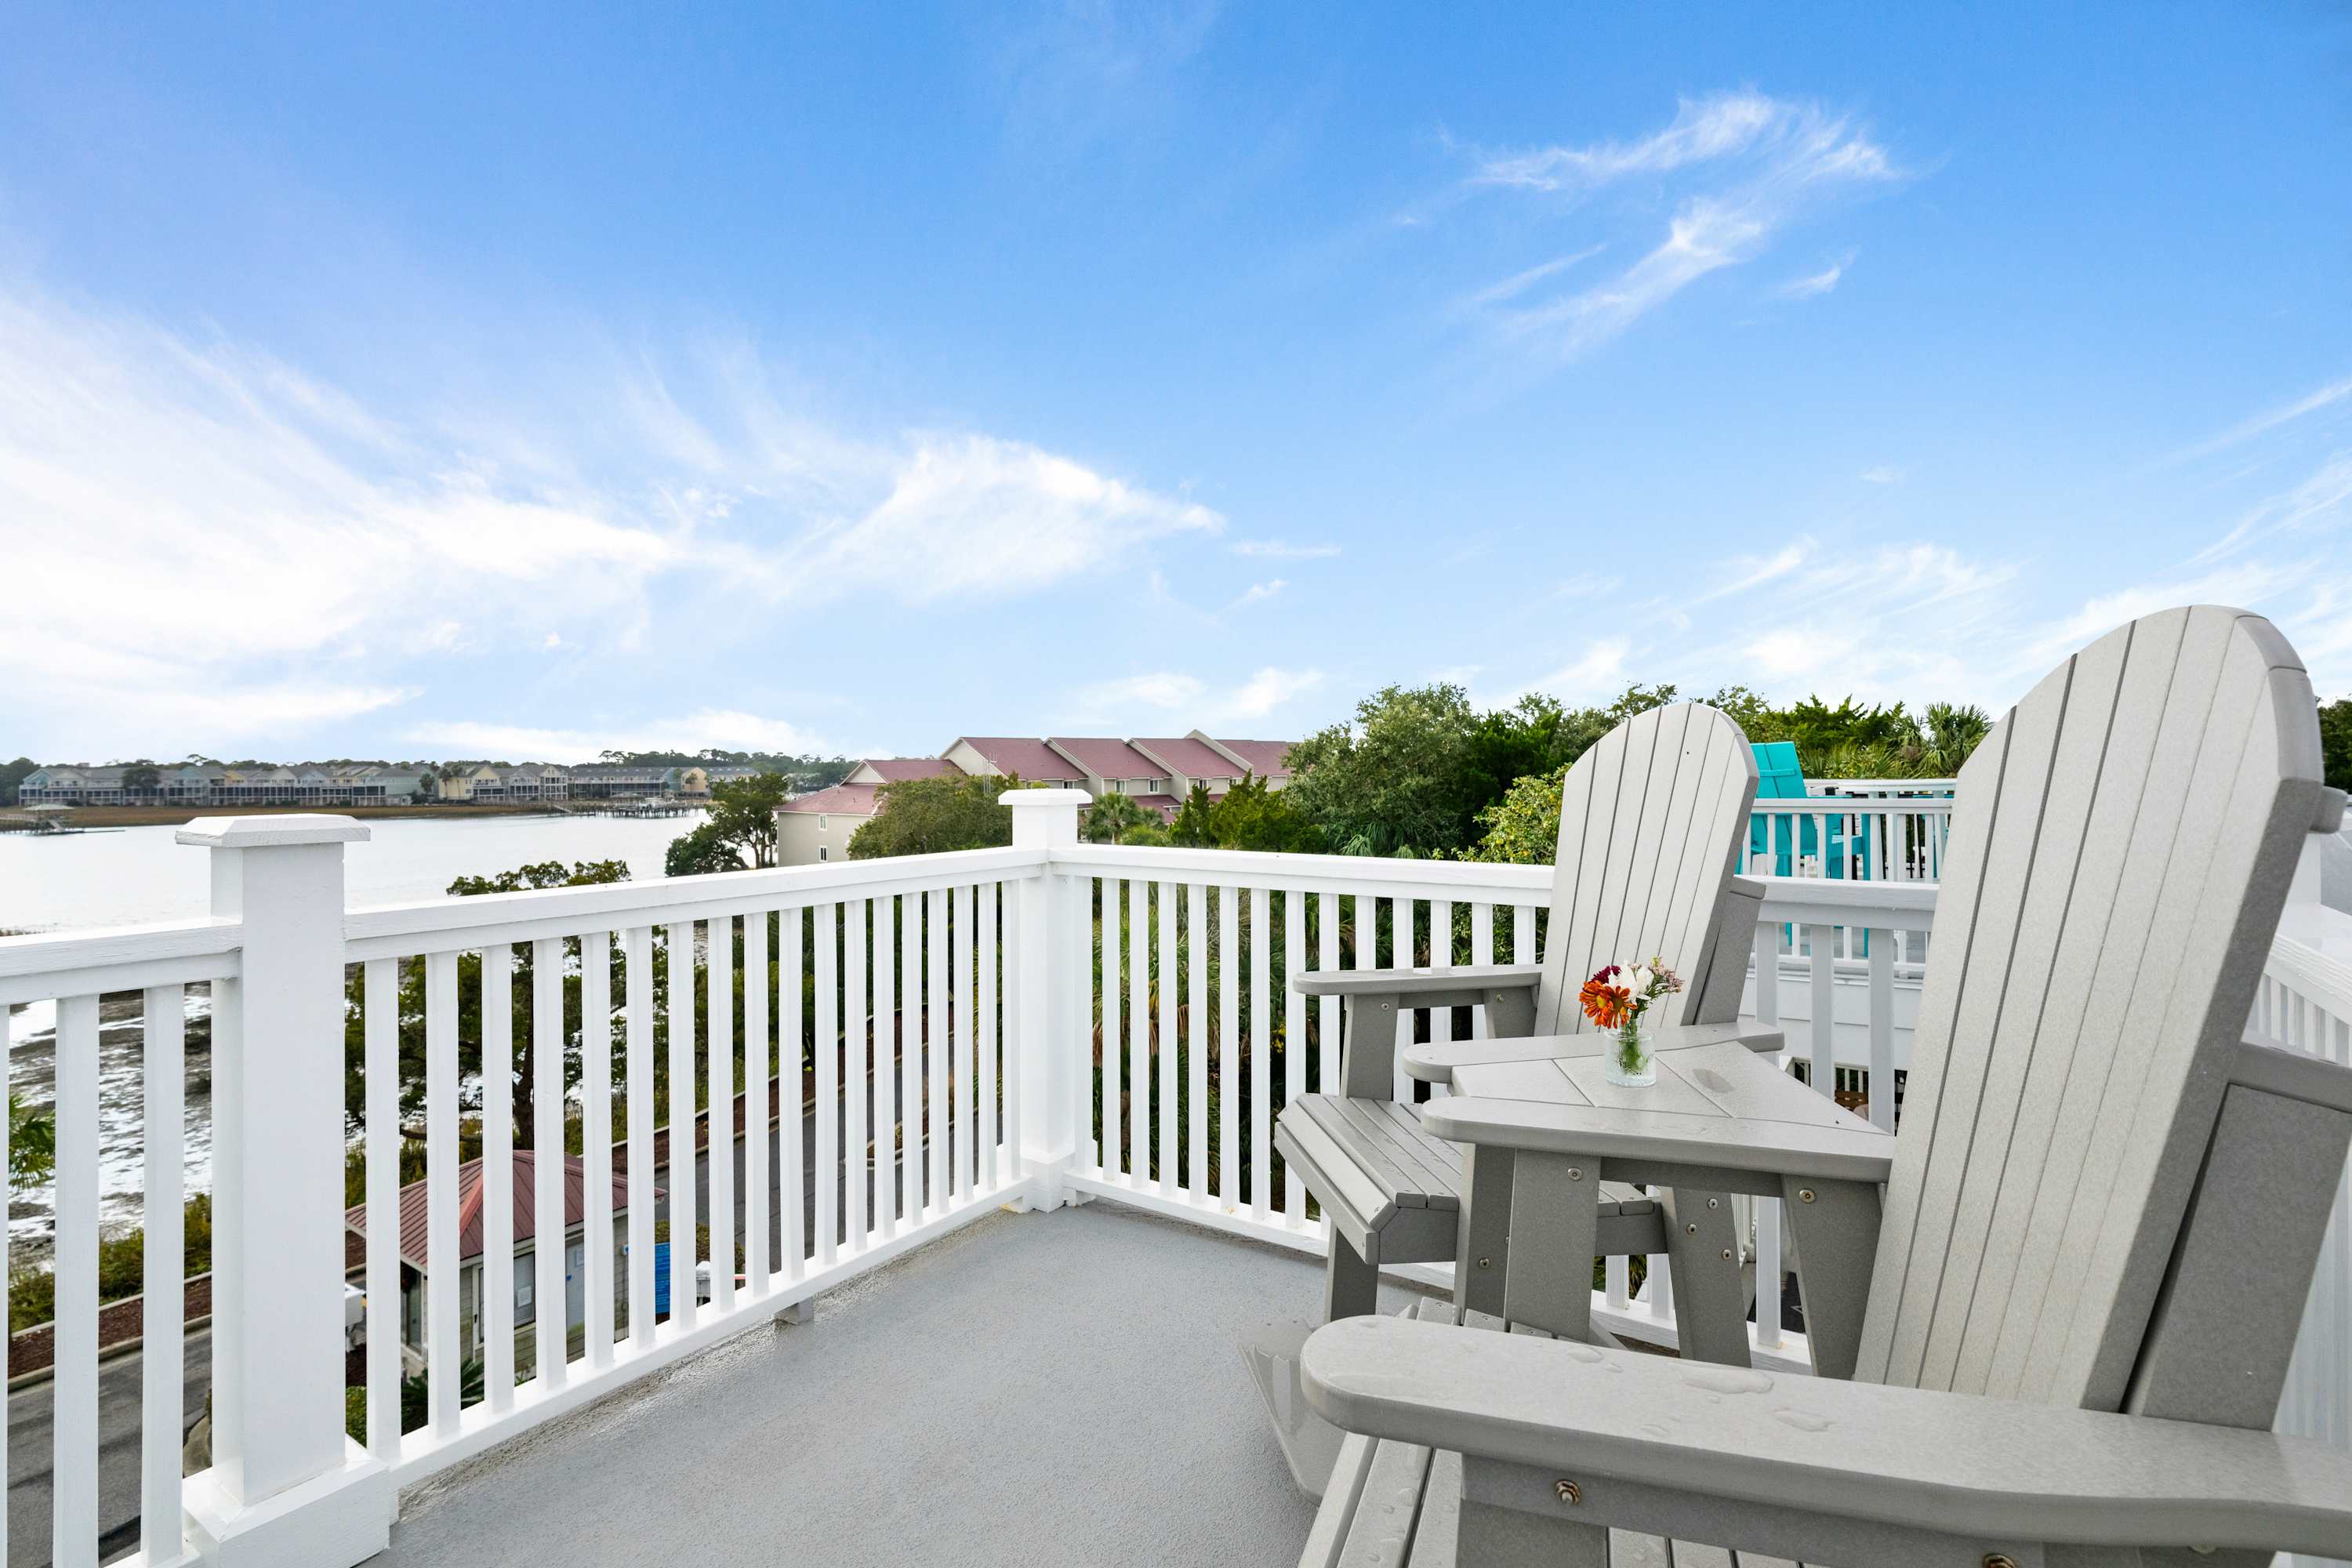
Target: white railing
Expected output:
[1868,788]
[941,1036]
[1891,839]
[74,971]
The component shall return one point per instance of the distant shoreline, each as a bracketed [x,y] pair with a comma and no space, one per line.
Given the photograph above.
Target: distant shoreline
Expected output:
[149,816]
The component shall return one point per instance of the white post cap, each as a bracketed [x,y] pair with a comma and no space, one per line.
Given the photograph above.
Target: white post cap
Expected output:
[266,832]
[1017,798]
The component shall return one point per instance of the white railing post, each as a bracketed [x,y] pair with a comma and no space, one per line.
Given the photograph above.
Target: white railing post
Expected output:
[1050,1044]
[286,1486]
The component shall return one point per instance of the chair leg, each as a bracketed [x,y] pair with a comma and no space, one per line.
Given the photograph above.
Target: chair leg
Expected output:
[1490,1536]
[1555,1217]
[1703,1252]
[1352,1287]
[1483,1248]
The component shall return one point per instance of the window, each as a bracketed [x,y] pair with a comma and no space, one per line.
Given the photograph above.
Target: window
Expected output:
[824,851]
[822,823]
[522,1288]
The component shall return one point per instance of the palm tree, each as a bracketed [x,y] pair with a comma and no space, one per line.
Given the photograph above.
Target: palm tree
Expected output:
[1112,818]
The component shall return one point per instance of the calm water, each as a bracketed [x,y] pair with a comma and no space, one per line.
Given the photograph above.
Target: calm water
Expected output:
[80,880]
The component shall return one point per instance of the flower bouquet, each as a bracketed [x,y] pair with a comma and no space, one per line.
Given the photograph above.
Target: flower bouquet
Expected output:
[1614,999]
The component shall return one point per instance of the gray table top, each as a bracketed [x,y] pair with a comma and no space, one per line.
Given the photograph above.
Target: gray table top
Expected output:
[1718,1104]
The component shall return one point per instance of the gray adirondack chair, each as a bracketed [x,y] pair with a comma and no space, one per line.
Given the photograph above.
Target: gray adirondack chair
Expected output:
[1652,818]
[2068,1318]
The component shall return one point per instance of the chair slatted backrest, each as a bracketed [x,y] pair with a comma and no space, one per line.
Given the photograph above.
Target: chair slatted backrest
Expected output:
[1651,818]
[2120,853]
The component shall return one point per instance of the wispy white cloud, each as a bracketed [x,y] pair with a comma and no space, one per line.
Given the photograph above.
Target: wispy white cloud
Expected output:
[1259,592]
[1747,166]
[1753,572]
[724,728]
[202,520]
[1885,474]
[1703,130]
[1812,285]
[1279,550]
[2270,419]
[1519,283]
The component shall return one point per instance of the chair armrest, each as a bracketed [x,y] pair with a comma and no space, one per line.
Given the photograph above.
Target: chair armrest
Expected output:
[1847,1148]
[1427,987]
[1987,1467]
[1434,1061]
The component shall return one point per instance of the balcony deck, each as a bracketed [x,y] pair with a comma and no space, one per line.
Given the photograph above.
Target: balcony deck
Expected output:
[1062,1387]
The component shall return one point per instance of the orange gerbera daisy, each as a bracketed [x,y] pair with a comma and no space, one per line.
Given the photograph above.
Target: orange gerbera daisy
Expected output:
[1607,1006]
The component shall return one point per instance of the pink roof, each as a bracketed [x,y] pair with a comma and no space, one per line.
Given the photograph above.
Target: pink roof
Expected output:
[1265,757]
[847,799]
[412,1228]
[1108,759]
[895,770]
[1033,760]
[1165,804]
[1190,757]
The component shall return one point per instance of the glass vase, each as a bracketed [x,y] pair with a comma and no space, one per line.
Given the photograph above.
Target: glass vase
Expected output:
[1630,1063]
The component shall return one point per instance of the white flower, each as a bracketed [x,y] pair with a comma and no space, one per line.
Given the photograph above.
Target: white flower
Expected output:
[1641,979]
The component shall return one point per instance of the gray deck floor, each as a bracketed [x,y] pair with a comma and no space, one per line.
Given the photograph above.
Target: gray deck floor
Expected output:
[1057,1388]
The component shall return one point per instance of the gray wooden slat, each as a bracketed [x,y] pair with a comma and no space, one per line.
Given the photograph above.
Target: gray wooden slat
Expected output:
[1389,1507]
[1575,828]
[1327,1540]
[1441,1513]
[1718,824]
[1577,899]
[1441,1154]
[1948,1145]
[1635,784]
[1339,1180]
[1645,856]
[1973,818]
[1402,1188]
[1399,1148]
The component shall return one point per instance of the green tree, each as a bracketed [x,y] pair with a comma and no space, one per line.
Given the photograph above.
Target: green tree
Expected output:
[1404,774]
[32,1142]
[741,834]
[11,775]
[1253,817]
[700,852]
[1523,827]
[142,779]
[409,1026]
[1949,734]
[1113,819]
[1191,827]
[2336,743]
[928,816]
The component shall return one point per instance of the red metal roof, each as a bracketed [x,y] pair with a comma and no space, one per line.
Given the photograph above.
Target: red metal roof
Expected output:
[1033,760]
[1108,759]
[413,1224]
[847,799]
[1190,757]
[1265,757]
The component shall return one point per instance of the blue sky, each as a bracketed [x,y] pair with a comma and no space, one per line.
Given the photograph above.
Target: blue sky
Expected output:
[484,380]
